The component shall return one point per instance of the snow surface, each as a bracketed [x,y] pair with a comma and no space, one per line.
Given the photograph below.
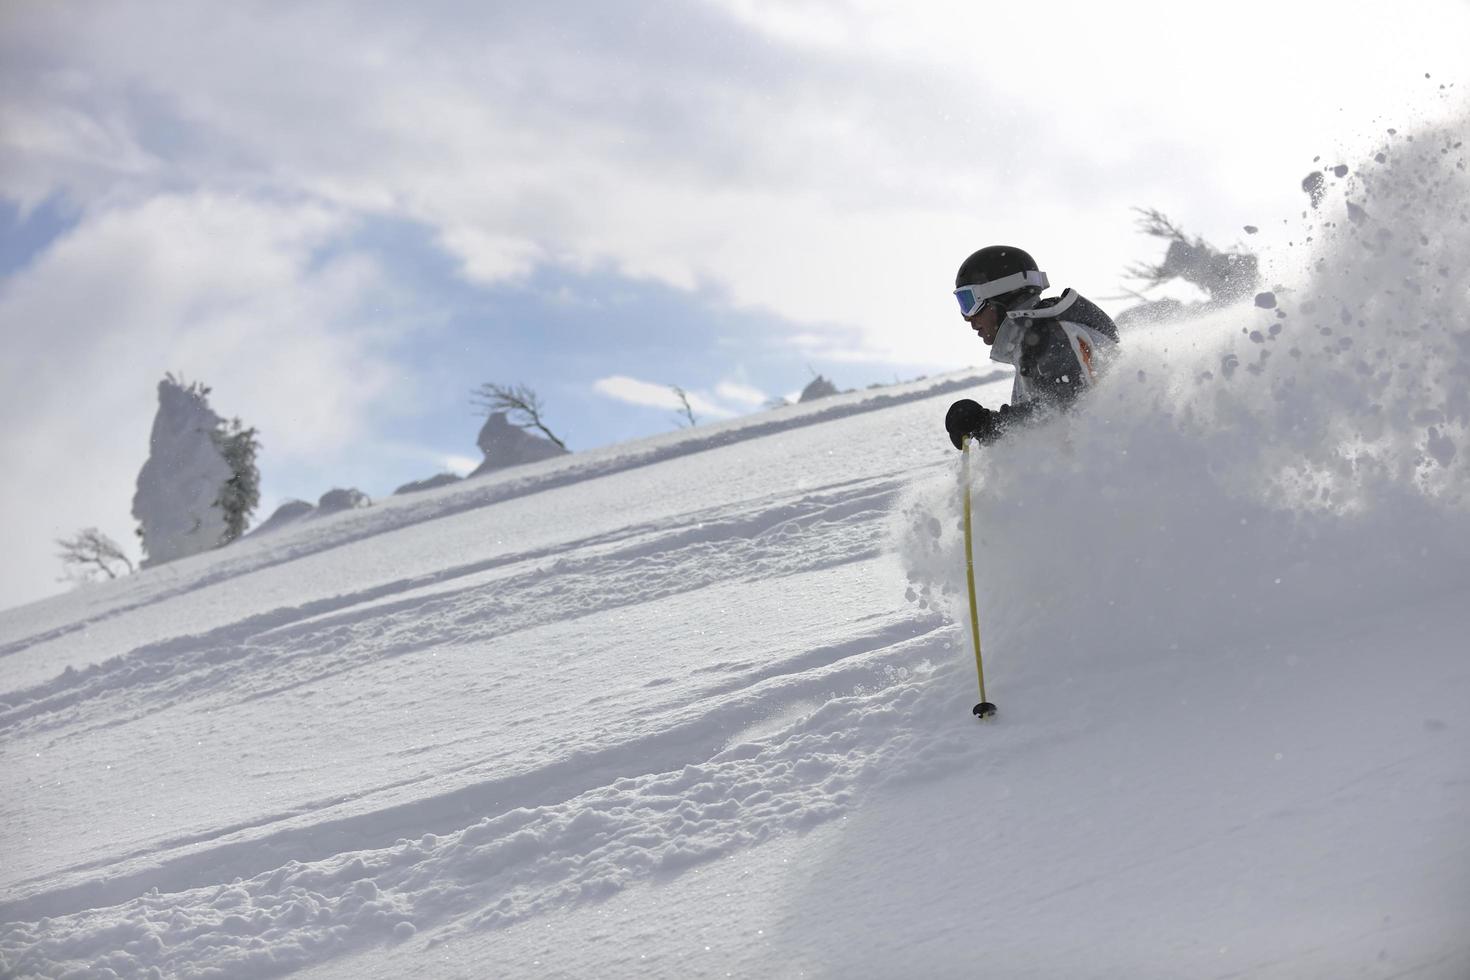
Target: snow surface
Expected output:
[699,705]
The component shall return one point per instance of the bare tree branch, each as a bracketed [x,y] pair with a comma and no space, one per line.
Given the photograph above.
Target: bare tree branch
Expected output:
[1222,275]
[1154,222]
[1127,294]
[521,405]
[686,413]
[91,550]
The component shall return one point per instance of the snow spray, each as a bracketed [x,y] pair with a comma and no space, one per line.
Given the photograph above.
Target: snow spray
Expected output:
[1290,461]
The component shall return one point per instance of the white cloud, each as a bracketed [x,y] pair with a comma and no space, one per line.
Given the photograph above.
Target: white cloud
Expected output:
[490,259]
[222,291]
[635,392]
[46,143]
[649,394]
[460,465]
[743,394]
[829,162]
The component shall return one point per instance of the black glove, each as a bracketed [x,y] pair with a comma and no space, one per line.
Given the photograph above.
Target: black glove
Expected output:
[968,417]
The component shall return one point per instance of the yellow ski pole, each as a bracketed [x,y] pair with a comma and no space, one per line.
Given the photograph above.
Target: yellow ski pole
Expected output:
[984,709]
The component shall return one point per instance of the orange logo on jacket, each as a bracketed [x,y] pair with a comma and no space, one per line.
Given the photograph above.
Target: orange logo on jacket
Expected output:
[1086,349]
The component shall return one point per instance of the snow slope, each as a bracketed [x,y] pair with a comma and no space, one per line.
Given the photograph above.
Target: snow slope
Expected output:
[699,705]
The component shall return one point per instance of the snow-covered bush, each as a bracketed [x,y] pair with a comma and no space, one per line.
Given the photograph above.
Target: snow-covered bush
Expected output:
[438,480]
[517,404]
[339,498]
[506,444]
[818,387]
[287,513]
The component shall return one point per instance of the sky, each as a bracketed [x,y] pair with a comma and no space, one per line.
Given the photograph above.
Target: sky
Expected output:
[344,217]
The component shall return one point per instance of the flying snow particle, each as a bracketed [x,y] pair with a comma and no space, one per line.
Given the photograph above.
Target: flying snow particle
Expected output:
[1314,184]
[1440,446]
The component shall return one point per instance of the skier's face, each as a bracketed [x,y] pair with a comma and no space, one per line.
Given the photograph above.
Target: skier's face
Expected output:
[985,322]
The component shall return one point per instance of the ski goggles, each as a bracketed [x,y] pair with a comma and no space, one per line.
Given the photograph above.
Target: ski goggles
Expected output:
[973,297]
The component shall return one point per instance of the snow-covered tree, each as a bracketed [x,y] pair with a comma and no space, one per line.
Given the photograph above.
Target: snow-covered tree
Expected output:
[240,495]
[199,484]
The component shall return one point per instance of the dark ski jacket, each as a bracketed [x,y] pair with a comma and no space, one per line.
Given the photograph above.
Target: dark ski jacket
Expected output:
[1058,348]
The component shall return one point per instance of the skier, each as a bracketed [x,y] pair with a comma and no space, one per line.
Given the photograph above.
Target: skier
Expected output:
[1057,345]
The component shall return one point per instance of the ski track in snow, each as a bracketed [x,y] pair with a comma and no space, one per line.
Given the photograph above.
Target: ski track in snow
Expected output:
[465,852]
[700,800]
[285,648]
[275,548]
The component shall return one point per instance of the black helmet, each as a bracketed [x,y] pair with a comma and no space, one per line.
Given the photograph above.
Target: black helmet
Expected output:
[1002,273]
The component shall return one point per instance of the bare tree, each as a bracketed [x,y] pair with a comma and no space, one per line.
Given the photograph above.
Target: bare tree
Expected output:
[91,551]
[521,405]
[1224,276]
[686,413]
